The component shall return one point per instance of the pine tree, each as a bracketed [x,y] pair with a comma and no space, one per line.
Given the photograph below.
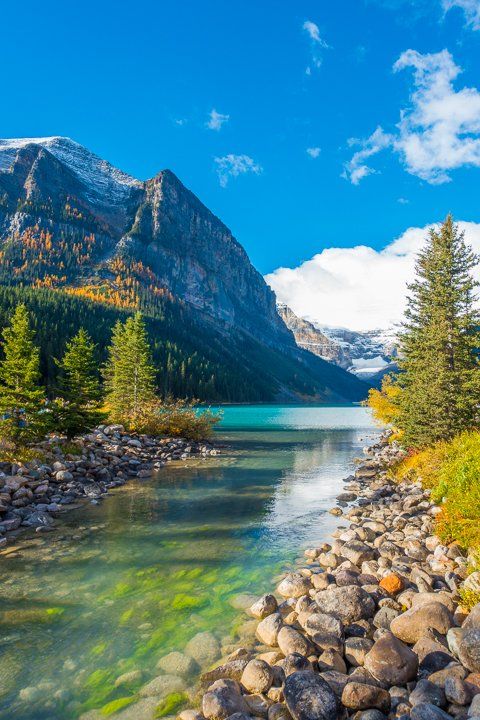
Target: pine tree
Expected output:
[439,345]
[22,399]
[79,408]
[129,373]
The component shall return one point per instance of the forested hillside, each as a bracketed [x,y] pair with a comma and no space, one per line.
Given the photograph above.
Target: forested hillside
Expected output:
[193,359]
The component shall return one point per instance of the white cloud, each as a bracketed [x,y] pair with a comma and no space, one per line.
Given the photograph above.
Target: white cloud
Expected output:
[358,288]
[403,201]
[356,169]
[314,152]
[438,132]
[234,165]
[471,8]
[317,44]
[216,120]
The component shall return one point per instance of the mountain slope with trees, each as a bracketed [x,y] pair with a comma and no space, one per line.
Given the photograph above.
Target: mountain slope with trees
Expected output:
[79,239]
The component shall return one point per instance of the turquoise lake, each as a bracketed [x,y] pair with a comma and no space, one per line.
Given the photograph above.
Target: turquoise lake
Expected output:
[121,584]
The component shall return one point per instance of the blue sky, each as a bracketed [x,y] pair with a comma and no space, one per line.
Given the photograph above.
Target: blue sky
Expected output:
[137,83]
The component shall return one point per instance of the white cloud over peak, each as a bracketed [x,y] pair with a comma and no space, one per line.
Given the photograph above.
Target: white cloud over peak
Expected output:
[359,288]
[231,165]
[216,120]
[438,132]
[471,8]
[317,44]
[314,152]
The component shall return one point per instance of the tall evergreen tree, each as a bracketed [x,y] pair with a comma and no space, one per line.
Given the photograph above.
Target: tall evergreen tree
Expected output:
[22,399]
[439,345]
[129,372]
[79,408]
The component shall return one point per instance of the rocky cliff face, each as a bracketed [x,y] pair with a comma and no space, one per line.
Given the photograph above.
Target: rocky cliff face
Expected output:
[368,355]
[156,232]
[310,338]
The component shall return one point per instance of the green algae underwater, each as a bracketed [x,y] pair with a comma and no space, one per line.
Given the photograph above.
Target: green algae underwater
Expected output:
[120,585]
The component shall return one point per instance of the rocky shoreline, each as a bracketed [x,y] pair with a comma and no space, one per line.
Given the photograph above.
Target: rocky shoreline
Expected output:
[369,627]
[34,494]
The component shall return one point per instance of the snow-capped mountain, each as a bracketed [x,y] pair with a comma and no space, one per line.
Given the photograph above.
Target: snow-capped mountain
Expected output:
[99,176]
[370,352]
[365,354]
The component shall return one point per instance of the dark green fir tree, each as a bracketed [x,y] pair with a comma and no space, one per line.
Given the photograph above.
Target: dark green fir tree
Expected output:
[129,373]
[439,345]
[79,408]
[22,399]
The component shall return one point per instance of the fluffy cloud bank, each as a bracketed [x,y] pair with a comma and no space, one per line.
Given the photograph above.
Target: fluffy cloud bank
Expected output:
[438,132]
[357,288]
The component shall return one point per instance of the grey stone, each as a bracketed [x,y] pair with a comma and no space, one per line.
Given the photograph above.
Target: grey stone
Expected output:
[457,691]
[222,700]
[469,649]
[426,711]
[427,692]
[346,603]
[310,697]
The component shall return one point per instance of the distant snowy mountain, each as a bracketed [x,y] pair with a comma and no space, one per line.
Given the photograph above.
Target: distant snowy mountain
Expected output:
[370,352]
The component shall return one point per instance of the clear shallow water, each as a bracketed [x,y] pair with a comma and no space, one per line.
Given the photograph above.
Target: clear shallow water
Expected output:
[160,560]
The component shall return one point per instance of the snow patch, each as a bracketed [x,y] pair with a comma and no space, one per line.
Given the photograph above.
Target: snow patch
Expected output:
[101,179]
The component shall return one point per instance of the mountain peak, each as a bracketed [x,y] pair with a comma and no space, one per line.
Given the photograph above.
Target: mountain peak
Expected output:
[101,179]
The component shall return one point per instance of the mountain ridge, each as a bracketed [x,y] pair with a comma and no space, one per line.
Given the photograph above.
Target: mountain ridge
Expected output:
[73,223]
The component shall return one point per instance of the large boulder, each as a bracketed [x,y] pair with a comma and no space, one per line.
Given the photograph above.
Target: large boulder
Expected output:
[268,629]
[223,699]
[294,585]
[346,603]
[411,625]
[390,661]
[264,606]
[257,676]
[469,649]
[427,692]
[291,641]
[310,697]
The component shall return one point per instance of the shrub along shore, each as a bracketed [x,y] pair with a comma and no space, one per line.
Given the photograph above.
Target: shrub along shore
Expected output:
[370,626]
